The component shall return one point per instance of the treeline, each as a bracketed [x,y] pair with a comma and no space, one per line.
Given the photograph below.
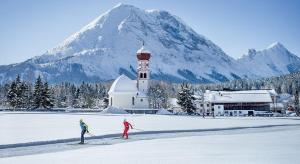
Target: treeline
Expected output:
[282,84]
[19,94]
[22,95]
[158,95]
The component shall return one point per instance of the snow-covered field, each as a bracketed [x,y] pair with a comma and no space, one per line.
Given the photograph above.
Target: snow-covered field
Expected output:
[264,148]
[260,144]
[19,127]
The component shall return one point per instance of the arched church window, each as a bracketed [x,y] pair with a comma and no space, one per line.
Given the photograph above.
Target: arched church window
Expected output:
[145,75]
[132,100]
[141,75]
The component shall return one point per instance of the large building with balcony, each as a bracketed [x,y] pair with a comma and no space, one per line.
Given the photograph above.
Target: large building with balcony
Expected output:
[237,103]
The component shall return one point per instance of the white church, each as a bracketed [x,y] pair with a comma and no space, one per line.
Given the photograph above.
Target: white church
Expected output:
[131,95]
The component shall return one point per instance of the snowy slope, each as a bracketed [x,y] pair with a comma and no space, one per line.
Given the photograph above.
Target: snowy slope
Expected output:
[107,47]
[273,61]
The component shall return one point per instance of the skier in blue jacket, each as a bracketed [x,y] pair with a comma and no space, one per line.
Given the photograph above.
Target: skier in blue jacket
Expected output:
[84,129]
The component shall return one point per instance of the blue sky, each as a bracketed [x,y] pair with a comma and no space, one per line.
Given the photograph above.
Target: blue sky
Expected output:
[30,27]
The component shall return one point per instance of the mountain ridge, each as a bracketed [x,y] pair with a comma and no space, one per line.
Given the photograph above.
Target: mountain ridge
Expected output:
[275,60]
[106,48]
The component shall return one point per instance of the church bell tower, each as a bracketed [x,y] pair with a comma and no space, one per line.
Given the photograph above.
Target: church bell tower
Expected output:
[143,71]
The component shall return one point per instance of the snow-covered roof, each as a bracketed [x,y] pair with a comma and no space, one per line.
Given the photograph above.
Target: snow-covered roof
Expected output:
[143,49]
[272,92]
[113,110]
[277,105]
[173,102]
[238,96]
[123,84]
[163,111]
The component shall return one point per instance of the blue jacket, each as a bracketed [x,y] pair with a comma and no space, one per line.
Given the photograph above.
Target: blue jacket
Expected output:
[83,126]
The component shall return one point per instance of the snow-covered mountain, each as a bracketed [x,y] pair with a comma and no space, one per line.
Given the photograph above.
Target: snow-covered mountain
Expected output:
[106,48]
[273,61]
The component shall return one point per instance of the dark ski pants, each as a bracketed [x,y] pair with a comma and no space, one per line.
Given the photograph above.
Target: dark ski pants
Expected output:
[82,135]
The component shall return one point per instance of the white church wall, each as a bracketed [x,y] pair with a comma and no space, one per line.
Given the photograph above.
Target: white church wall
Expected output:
[121,100]
[141,102]
[127,101]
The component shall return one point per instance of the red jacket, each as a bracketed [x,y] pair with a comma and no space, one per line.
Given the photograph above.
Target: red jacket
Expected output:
[127,124]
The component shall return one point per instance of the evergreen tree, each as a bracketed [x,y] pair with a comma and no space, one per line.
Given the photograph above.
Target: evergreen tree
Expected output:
[86,96]
[27,95]
[158,97]
[105,102]
[71,95]
[296,103]
[22,91]
[185,99]
[46,97]
[38,92]
[4,94]
[17,93]
[12,95]
[76,101]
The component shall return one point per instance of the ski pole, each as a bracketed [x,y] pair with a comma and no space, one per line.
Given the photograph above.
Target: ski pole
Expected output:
[139,129]
[91,134]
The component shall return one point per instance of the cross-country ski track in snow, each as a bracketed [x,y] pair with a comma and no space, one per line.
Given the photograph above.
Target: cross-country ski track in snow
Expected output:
[39,147]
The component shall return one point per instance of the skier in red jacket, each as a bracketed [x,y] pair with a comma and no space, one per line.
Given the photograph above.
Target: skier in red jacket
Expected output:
[126,128]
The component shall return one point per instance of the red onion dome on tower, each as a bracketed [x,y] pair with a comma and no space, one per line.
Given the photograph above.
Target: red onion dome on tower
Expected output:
[143,53]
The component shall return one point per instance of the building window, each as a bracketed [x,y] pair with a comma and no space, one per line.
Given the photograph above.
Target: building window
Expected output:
[111,101]
[141,75]
[145,75]
[132,100]
[235,113]
[207,105]
[141,100]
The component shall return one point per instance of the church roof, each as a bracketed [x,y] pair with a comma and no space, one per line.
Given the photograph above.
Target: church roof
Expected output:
[143,49]
[123,85]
